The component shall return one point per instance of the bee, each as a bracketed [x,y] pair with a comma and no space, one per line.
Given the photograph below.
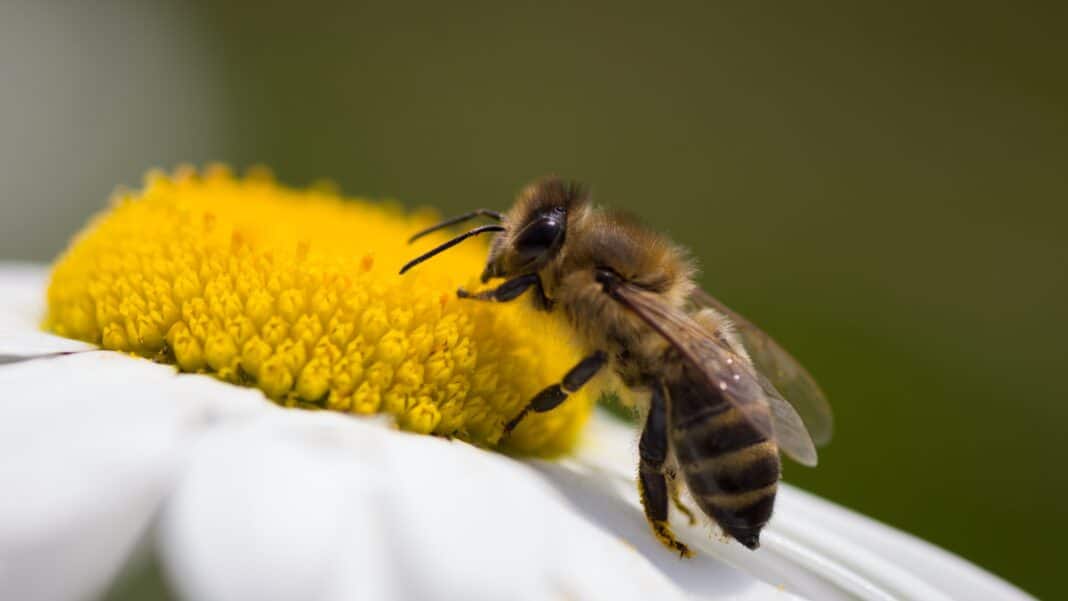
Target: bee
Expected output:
[713,388]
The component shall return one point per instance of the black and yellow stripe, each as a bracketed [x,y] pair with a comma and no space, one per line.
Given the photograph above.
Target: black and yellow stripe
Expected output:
[731,469]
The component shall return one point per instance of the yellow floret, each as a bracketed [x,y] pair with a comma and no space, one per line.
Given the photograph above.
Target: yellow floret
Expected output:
[296,292]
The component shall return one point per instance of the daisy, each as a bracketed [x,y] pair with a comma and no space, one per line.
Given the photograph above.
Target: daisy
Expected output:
[154,380]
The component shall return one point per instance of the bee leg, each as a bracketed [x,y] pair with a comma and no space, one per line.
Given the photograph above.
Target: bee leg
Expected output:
[510,290]
[652,480]
[673,487]
[551,397]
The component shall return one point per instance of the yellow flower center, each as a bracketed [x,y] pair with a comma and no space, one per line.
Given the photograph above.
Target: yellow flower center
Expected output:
[296,292]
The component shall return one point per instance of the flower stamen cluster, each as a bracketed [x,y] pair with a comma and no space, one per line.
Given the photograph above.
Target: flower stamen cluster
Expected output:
[296,292]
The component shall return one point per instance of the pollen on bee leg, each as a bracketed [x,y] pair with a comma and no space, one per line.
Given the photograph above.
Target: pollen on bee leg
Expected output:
[273,287]
[676,500]
[667,538]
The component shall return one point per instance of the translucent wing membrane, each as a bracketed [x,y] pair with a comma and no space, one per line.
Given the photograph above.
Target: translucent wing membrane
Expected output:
[786,377]
[726,373]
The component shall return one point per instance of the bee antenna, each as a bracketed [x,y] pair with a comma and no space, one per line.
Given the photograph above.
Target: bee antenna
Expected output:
[454,220]
[451,243]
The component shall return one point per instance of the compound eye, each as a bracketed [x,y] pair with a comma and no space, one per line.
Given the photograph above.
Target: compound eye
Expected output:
[539,237]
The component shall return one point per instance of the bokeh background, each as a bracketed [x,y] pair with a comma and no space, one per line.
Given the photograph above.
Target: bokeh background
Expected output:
[883,188]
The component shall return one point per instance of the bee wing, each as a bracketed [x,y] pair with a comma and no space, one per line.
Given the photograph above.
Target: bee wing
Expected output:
[725,372]
[790,432]
[783,373]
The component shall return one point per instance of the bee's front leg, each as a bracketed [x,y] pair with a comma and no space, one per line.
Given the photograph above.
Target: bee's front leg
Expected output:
[652,482]
[510,290]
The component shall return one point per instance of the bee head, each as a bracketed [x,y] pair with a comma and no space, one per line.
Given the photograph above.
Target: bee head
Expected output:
[535,228]
[531,234]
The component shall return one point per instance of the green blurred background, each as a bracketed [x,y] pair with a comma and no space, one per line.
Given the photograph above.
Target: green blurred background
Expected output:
[882,188]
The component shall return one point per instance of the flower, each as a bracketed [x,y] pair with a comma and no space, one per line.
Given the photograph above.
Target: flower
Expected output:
[106,456]
[296,292]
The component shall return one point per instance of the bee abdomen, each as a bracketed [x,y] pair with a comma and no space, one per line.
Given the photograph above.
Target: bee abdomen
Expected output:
[730,468]
[740,471]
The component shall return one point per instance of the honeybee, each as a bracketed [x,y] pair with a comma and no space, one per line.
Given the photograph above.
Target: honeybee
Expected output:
[709,379]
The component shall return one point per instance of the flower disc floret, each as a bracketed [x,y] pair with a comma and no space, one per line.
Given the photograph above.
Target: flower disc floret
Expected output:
[296,292]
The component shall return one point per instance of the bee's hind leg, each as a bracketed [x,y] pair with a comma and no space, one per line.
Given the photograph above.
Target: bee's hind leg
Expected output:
[652,477]
[673,487]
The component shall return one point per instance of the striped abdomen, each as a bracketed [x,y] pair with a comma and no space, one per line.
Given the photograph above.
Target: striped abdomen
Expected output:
[730,468]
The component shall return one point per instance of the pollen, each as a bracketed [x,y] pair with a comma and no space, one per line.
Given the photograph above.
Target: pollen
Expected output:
[296,292]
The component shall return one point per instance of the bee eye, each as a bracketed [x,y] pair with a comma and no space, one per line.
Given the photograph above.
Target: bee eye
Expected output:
[540,237]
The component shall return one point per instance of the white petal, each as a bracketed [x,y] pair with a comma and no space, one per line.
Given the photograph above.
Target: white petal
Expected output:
[84,465]
[317,505]
[820,550]
[89,446]
[22,295]
[921,561]
[260,518]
